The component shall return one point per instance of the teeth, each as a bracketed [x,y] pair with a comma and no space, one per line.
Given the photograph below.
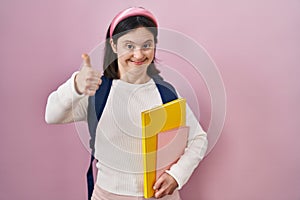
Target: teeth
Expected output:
[138,61]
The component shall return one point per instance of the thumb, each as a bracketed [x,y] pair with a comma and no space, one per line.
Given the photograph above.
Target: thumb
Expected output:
[86,60]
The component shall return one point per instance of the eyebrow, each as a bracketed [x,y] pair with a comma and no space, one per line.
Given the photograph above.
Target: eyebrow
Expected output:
[134,42]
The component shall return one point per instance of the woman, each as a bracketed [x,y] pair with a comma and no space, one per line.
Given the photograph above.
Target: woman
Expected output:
[129,62]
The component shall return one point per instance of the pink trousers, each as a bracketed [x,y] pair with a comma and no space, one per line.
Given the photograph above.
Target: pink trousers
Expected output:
[100,194]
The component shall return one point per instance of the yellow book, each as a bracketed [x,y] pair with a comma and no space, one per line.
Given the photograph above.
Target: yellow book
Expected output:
[163,118]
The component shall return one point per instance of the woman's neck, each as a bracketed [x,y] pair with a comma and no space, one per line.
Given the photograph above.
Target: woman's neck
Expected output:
[135,79]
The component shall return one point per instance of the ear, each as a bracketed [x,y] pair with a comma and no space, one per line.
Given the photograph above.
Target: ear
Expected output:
[113,46]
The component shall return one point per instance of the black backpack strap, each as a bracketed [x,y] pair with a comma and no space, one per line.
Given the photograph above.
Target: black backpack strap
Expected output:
[95,109]
[166,90]
[90,178]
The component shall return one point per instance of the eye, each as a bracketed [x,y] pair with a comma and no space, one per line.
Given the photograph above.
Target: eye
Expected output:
[129,46]
[146,46]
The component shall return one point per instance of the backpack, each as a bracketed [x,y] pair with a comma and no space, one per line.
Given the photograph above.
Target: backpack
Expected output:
[96,106]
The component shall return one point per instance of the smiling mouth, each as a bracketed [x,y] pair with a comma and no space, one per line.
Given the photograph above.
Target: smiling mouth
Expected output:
[139,62]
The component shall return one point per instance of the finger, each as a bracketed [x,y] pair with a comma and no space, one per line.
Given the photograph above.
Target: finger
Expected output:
[96,73]
[161,192]
[86,60]
[93,87]
[158,183]
[90,92]
[99,81]
[93,81]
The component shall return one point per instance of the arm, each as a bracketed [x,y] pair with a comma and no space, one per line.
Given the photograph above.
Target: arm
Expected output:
[69,102]
[65,105]
[194,152]
[181,171]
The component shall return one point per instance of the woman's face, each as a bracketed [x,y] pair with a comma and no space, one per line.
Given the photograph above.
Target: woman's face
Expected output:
[135,51]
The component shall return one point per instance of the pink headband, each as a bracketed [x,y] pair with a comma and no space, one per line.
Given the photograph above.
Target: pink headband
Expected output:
[129,12]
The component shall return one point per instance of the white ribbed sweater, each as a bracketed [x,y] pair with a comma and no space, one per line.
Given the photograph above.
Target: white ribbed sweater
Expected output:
[118,136]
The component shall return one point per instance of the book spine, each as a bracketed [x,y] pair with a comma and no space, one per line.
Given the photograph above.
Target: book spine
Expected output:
[149,145]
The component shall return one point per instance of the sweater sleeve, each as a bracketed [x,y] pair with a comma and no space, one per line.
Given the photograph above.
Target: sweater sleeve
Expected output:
[193,153]
[65,105]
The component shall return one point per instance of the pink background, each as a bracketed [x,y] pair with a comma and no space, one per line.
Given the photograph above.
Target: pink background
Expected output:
[255,45]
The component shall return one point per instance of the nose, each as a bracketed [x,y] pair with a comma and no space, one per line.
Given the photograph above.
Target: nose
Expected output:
[138,54]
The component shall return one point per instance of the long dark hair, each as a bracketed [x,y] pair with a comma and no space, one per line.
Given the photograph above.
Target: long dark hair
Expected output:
[110,61]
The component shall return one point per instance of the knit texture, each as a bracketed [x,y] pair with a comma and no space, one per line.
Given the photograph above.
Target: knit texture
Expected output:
[118,145]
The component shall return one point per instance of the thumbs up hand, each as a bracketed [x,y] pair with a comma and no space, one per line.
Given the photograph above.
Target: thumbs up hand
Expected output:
[88,80]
